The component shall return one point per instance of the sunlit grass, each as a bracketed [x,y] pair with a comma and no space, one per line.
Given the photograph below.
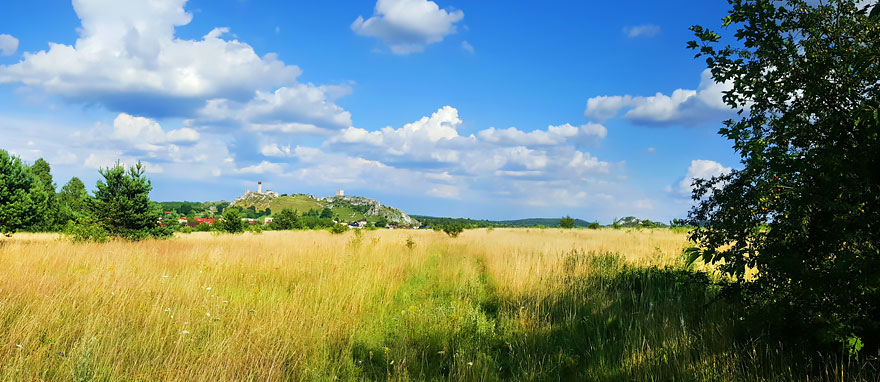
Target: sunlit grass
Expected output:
[499,304]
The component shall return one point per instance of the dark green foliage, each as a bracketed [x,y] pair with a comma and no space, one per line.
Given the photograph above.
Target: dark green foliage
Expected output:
[804,210]
[50,220]
[452,229]
[232,222]
[381,222]
[566,222]
[338,228]
[593,225]
[122,204]
[85,231]
[287,219]
[73,201]
[23,198]
[327,213]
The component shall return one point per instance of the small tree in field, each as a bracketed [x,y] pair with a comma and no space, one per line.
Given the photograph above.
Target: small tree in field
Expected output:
[23,198]
[804,210]
[566,222]
[122,204]
[452,229]
[232,222]
[287,219]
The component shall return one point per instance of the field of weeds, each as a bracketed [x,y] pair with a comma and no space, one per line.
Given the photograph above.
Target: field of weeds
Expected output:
[503,304]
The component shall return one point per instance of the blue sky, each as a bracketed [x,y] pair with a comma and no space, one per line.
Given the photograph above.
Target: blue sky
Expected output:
[489,109]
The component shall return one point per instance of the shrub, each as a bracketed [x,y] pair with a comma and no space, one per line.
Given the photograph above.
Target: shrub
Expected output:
[85,232]
[231,222]
[594,225]
[186,229]
[338,228]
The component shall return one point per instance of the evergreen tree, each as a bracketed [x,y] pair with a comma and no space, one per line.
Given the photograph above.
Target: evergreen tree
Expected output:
[122,204]
[51,218]
[23,198]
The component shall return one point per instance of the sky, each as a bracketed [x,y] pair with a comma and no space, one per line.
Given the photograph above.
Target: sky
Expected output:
[483,109]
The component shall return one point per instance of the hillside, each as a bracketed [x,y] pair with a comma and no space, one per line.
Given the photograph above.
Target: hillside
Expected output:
[346,208]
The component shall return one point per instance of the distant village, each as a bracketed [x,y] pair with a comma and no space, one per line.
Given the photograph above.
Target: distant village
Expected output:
[194,222]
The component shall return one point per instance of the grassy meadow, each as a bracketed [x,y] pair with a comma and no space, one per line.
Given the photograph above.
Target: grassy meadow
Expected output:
[502,304]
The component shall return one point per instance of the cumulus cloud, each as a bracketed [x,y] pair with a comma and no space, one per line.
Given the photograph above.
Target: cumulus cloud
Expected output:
[264,167]
[8,45]
[429,138]
[127,59]
[146,134]
[408,26]
[554,135]
[433,142]
[298,108]
[646,30]
[682,107]
[700,169]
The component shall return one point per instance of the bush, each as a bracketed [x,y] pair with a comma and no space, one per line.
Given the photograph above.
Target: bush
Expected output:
[338,228]
[231,222]
[594,225]
[186,229]
[85,232]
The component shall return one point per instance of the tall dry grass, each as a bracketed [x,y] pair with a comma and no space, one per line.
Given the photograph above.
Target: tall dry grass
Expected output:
[491,304]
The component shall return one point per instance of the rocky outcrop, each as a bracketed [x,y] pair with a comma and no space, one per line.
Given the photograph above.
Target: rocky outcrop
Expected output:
[370,207]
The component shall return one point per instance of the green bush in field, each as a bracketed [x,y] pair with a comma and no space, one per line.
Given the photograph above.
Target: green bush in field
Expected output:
[338,228]
[593,225]
[804,210]
[231,222]
[85,231]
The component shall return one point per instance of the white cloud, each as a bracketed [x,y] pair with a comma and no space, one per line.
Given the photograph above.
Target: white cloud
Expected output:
[146,134]
[306,104]
[683,106]
[554,135]
[128,59]
[700,169]
[424,139]
[263,167]
[646,30]
[584,162]
[274,150]
[467,47]
[8,45]
[408,26]
[444,191]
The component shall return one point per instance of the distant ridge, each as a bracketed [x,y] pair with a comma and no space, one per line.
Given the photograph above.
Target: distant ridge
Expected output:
[530,222]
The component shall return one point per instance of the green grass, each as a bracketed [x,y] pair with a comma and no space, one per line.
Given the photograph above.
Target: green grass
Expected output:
[604,321]
[300,203]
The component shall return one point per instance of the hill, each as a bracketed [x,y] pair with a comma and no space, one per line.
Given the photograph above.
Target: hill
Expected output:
[345,208]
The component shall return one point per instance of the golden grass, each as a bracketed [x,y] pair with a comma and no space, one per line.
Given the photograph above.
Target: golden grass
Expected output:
[282,305]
